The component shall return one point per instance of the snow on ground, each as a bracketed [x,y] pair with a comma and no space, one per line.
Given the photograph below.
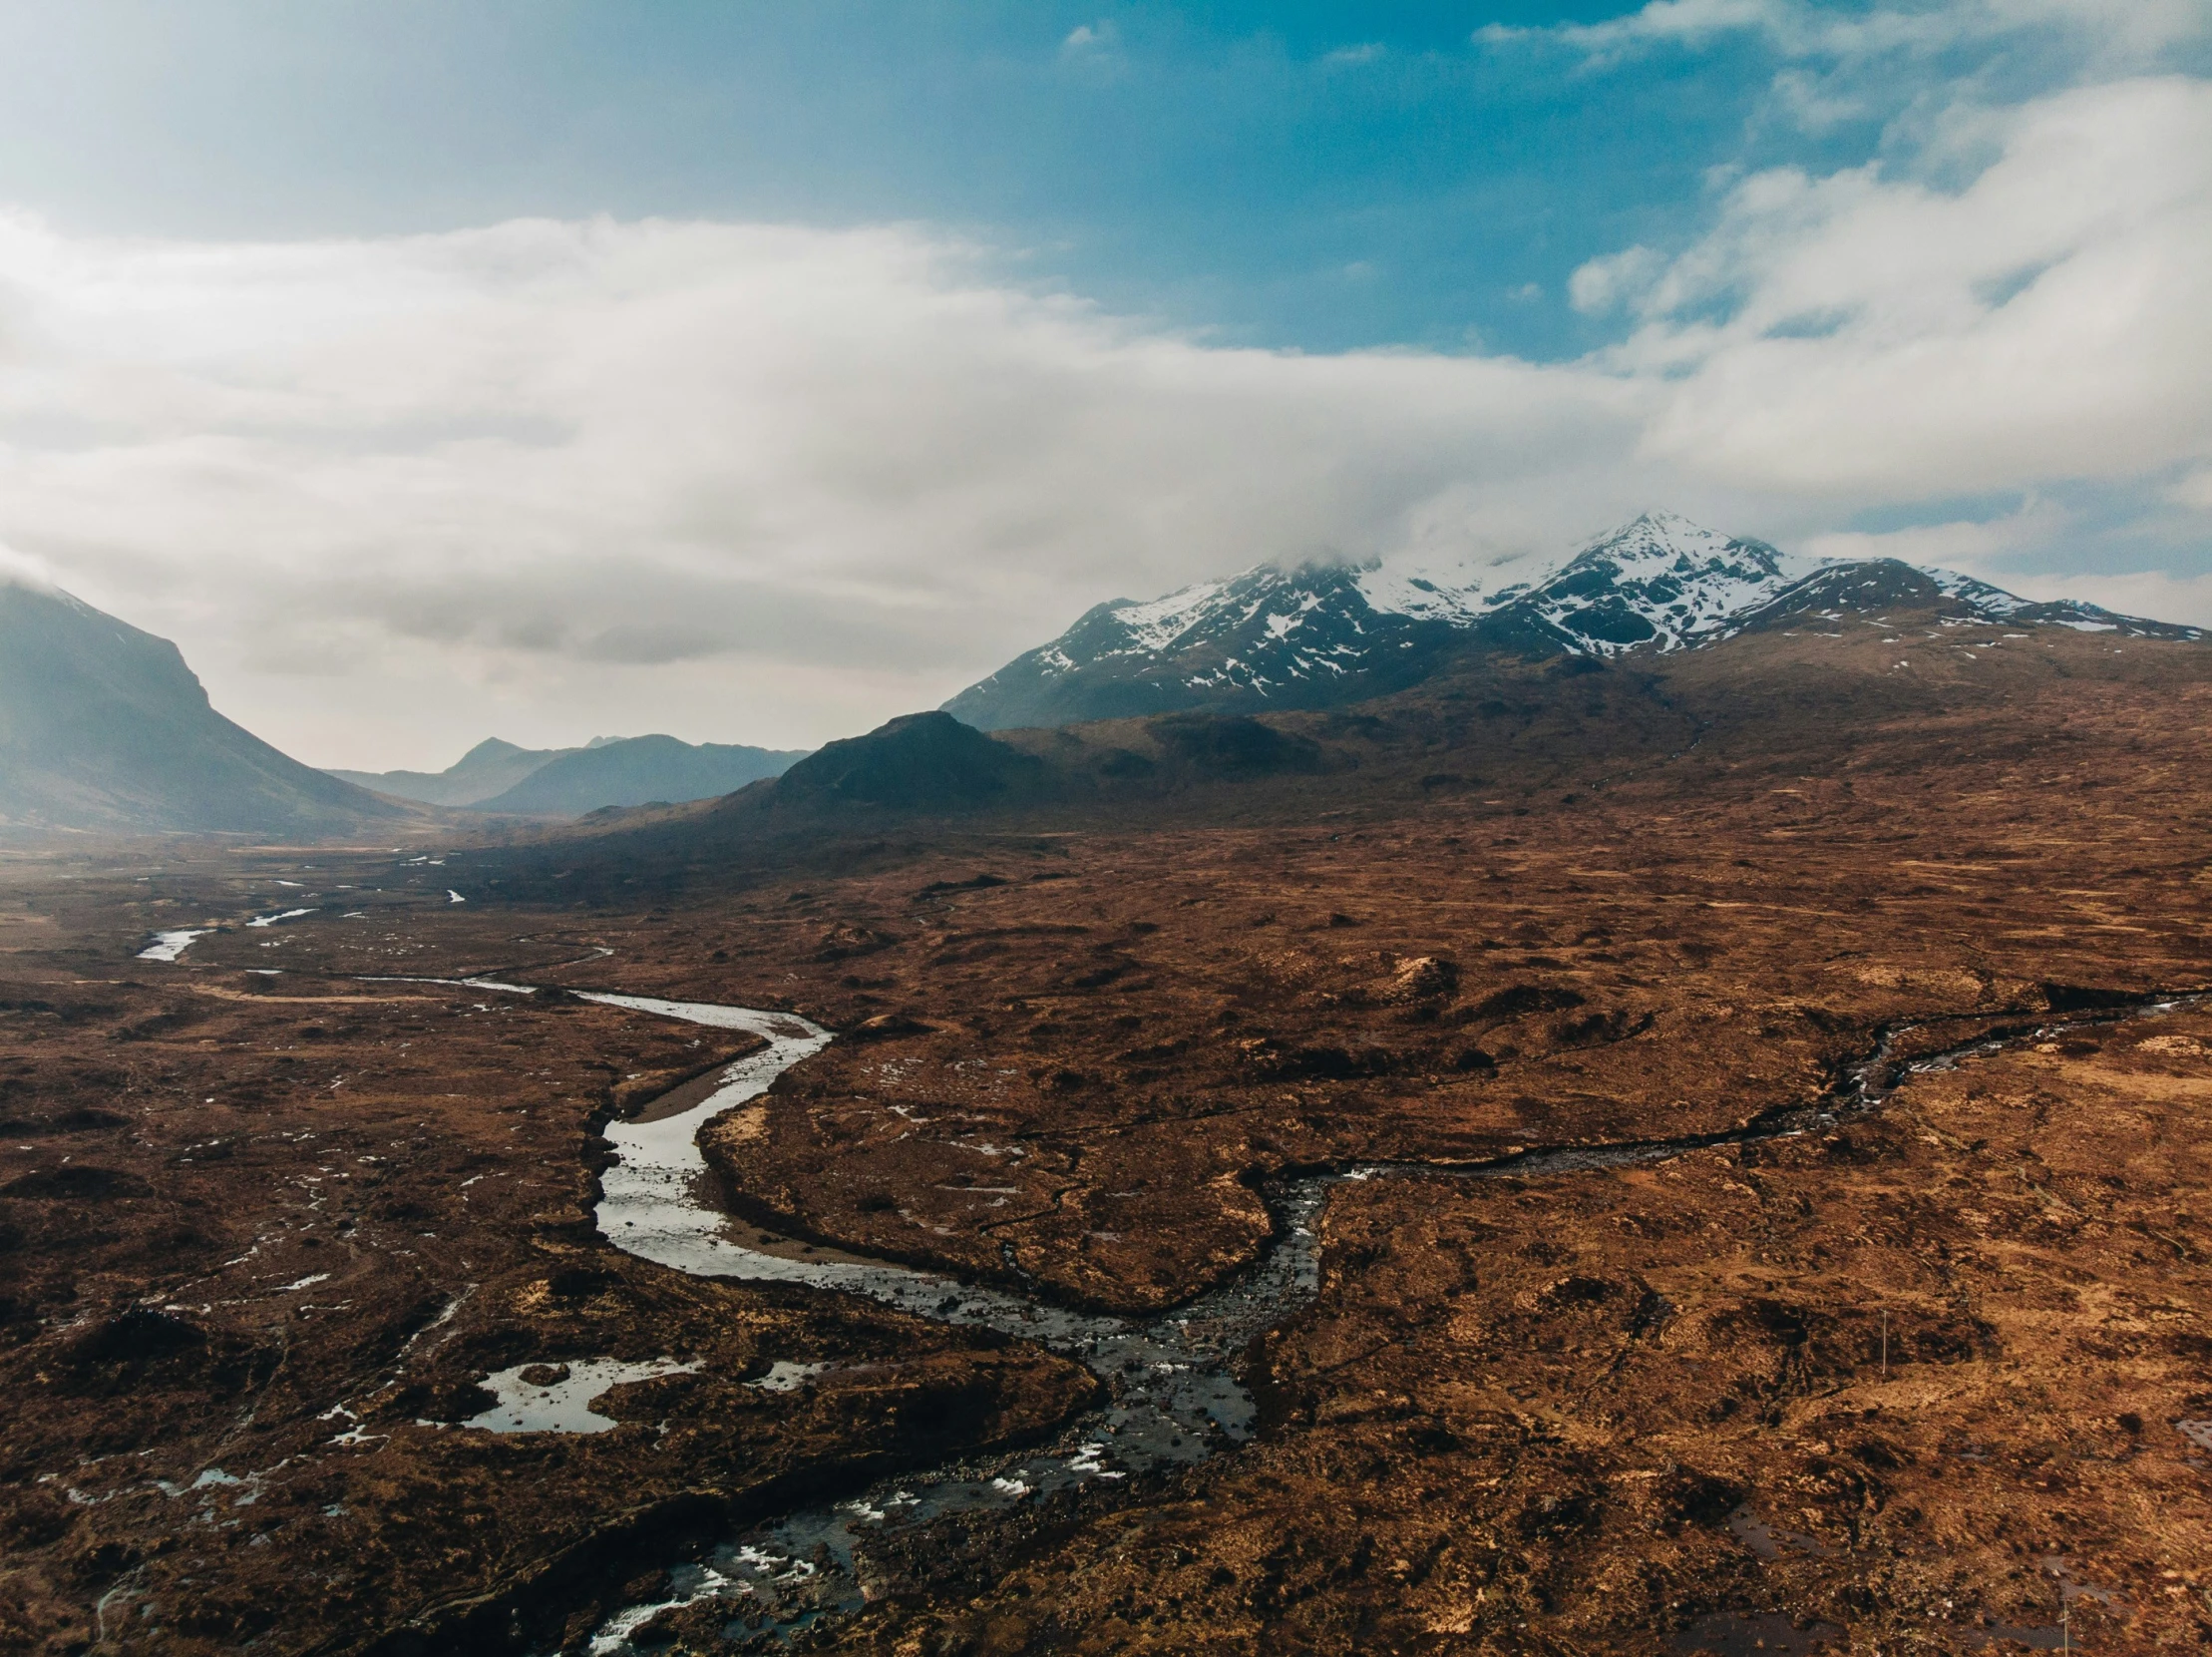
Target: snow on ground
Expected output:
[171,945]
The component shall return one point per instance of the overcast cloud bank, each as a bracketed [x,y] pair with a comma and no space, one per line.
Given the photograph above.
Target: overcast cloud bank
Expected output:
[770,484]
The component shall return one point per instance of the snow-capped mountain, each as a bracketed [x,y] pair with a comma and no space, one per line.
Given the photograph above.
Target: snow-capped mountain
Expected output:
[1325,634]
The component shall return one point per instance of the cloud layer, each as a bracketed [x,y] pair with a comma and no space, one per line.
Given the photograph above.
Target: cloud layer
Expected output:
[2116,31]
[770,483]
[809,476]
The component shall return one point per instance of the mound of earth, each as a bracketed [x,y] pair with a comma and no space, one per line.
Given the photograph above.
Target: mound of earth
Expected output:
[920,762]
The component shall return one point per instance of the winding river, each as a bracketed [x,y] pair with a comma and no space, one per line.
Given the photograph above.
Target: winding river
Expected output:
[1173,1394]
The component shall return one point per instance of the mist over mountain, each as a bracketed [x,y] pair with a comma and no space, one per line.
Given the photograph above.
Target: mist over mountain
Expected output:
[1329,634]
[491,767]
[566,783]
[103,727]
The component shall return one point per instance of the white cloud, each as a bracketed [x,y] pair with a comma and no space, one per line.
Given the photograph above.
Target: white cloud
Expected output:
[2157,594]
[1880,336]
[1978,547]
[2193,491]
[1612,280]
[2117,32]
[1815,104]
[22,569]
[1090,39]
[1993,549]
[750,482]
[744,482]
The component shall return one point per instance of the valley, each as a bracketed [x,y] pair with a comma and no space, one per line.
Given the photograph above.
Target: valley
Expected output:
[278,1211]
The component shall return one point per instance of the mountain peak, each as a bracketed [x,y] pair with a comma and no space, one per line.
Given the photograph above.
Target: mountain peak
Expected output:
[1666,536]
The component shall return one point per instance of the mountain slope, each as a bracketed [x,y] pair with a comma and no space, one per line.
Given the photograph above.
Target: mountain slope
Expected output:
[103,727]
[1863,586]
[491,767]
[1912,690]
[1325,635]
[635,771]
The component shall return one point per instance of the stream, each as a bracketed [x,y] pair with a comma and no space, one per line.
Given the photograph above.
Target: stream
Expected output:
[1173,1397]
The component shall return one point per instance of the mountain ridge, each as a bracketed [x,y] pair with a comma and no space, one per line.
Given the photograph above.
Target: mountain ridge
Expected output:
[491,767]
[1322,636]
[635,771]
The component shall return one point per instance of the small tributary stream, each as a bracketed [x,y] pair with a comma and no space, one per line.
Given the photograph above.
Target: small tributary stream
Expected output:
[1173,1396]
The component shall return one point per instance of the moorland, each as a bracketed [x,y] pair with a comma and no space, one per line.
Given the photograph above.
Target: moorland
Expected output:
[1757,1100]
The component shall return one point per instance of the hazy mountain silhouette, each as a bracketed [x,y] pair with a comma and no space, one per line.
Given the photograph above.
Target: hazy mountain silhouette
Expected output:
[103,727]
[635,771]
[491,767]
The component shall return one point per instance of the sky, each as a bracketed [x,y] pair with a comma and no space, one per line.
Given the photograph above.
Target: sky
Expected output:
[753,373]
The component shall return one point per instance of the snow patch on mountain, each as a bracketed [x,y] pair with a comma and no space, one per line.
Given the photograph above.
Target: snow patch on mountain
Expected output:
[1979,595]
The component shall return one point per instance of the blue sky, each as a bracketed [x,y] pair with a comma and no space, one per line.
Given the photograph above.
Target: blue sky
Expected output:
[1734,235]
[1317,176]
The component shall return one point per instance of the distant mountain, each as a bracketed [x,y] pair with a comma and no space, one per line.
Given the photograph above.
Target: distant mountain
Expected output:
[491,767]
[566,783]
[636,770]
[1323,635]
[103,727]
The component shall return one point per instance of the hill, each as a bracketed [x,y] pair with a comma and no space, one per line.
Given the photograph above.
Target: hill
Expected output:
[1887,667]
[634,771]
[568,782]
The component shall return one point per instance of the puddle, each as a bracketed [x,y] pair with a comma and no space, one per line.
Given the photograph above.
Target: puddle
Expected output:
[1754,1634]
[786,1376]
[1766,1541]
[2072,1587]
[558,1398]
[170,946]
